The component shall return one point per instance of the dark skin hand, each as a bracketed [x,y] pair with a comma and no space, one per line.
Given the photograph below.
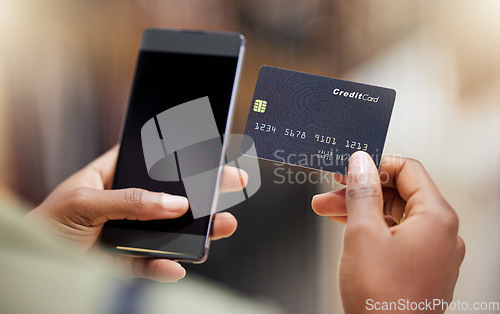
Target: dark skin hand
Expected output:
[383,259]
[78,208]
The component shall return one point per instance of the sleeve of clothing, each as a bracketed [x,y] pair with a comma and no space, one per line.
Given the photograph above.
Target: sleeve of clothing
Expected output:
[188,296]
[39,275]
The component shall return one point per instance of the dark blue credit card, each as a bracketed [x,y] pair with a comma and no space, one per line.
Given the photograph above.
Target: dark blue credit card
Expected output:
[316,121]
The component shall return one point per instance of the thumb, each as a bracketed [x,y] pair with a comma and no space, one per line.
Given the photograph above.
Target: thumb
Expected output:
[364,200]
[98,206]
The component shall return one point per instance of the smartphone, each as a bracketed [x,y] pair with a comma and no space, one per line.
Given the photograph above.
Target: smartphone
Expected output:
[174,68]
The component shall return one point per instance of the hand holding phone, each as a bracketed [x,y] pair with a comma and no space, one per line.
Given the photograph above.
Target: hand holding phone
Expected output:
[76,211]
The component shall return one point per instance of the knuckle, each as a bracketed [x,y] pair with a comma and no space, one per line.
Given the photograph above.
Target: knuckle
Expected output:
[135,197]
[460,248]
[78,209]
[452,224]
[152,270]
[80,196]
[362,192]
[413,163]
[448,219]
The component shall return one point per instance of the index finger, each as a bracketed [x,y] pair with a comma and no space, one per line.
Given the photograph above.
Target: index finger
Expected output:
[413,184]
[392,167]
[233,179]
[409,177]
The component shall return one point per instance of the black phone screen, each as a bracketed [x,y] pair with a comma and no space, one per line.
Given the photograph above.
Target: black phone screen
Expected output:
[164,80]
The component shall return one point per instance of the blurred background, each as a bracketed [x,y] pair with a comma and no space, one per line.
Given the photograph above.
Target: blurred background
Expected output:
[66,67]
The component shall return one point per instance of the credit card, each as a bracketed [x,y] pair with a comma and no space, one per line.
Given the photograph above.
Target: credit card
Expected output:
[315,121]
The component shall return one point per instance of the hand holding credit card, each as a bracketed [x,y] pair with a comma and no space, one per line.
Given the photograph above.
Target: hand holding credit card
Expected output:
[316,121]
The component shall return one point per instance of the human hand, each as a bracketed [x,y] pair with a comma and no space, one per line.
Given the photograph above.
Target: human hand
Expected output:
[78,208]
[417,260]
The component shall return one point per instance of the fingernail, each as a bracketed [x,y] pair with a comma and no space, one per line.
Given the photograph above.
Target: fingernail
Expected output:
[183,273]
[180,272]
[359,163]
[320,195]
[173,202]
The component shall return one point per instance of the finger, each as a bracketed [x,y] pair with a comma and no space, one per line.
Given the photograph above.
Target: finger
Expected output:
[333,203]
[96,206]
[233,179]
[163,270]
[413,183]
[364,201]
[330,203]
[225,225]
[342,179]
[386,171]
[393,167]
[394,205]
